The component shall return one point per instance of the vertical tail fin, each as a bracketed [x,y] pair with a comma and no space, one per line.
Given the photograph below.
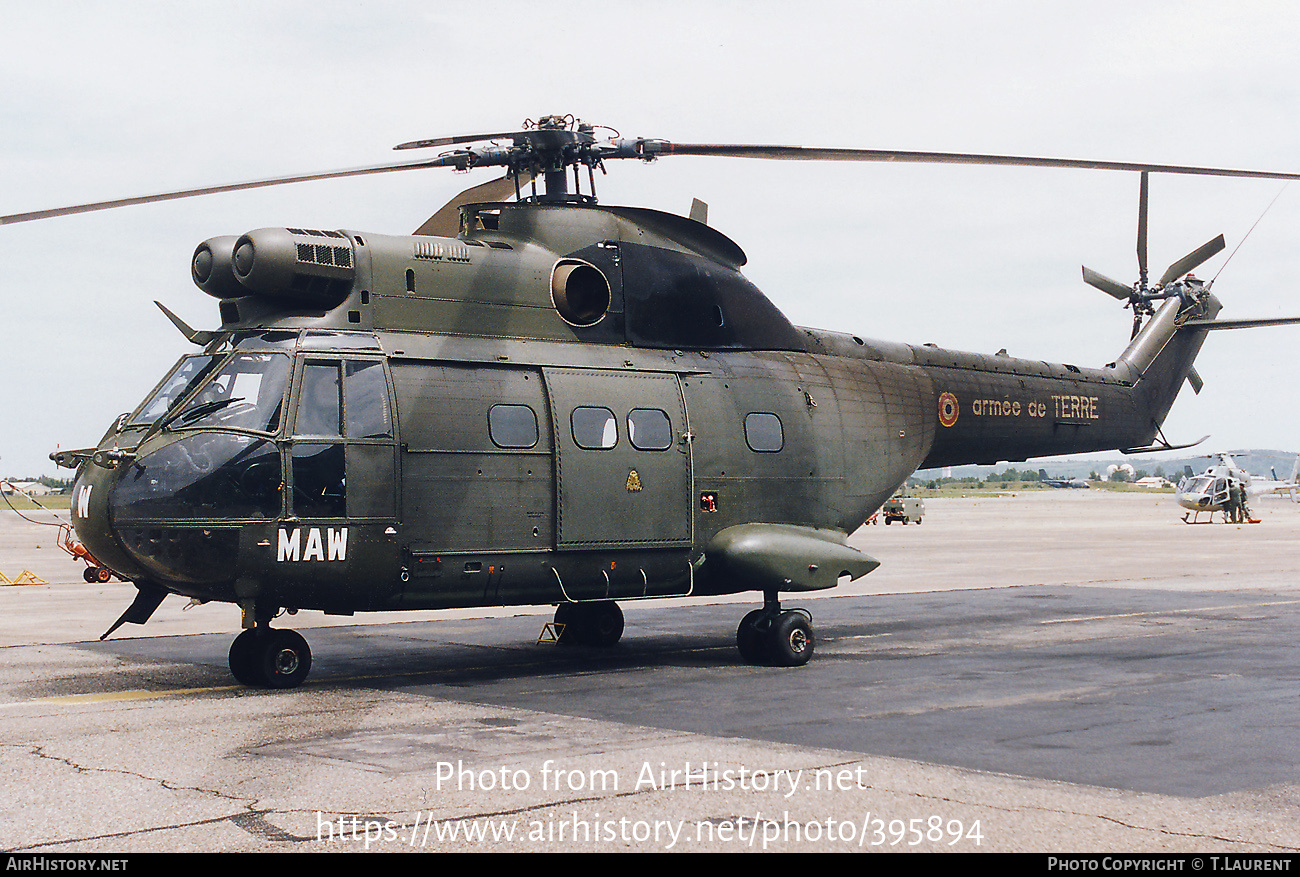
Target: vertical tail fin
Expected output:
[1161,355]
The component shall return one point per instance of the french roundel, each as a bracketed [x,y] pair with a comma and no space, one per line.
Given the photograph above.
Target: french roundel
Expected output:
[948,409]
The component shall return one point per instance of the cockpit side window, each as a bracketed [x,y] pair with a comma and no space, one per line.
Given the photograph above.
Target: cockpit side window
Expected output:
[342,458]
[365,400]
[319,410]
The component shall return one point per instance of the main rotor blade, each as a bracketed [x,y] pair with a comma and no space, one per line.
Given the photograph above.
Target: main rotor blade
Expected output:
[1142,228]
[652,148]
[211,190]
[1190,261]
[1106,285]
[649,149]
[459,138]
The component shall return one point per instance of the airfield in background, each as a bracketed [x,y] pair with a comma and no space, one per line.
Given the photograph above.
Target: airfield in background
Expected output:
[1258,462]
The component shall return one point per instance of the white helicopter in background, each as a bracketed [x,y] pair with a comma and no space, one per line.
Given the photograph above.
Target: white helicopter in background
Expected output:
[1226,487]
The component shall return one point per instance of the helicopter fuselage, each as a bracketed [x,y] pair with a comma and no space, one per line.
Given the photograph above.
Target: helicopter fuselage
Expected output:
[565,404]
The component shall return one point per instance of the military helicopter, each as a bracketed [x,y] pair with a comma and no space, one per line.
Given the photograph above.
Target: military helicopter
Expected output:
[554,401]
[1213,490]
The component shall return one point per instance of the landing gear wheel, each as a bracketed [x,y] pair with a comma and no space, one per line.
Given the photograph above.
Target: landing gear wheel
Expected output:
[268,658]
[243,659]
[790,640]
[749,638]
[283,659]
[590,624]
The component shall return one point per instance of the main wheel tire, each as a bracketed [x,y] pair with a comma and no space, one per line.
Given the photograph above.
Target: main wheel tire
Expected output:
[790,640]
[283,659]
[590,624]
[243,659]
[568,618]
[749,639]
[605,625]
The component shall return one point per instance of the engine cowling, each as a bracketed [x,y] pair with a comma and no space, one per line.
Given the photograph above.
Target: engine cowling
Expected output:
[297,266]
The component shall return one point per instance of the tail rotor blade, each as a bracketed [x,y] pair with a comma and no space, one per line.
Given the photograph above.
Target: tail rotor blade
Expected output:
[1106,285]
[1191,261]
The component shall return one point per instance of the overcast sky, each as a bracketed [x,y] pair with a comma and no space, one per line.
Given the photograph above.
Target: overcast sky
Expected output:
[104,100]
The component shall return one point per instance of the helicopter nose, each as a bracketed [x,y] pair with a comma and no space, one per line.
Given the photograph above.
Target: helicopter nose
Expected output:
[91,493]
[178,510]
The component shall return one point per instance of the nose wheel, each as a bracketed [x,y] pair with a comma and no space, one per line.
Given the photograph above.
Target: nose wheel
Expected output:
[270,658]
[776,638]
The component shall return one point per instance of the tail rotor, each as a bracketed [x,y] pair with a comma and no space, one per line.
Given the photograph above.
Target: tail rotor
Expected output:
[1140,295]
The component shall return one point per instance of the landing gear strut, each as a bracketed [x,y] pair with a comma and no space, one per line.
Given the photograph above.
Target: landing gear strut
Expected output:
[775,637]
[590,624]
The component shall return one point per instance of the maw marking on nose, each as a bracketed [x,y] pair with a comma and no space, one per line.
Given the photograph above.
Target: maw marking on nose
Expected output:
[332,546]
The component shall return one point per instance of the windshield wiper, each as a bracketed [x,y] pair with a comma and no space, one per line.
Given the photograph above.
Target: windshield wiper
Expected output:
[207,408]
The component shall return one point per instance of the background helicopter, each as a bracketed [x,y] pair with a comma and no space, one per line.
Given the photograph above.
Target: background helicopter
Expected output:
[555,401]
[1213,490]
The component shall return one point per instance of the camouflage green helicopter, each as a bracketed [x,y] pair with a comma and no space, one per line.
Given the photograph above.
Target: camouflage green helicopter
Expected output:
[553,401]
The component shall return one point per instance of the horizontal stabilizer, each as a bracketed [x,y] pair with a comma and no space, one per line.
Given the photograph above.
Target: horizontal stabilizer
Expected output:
[1164,446]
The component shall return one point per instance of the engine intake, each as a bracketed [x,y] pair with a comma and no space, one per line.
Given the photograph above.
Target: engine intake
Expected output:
[579,292]
[300,266]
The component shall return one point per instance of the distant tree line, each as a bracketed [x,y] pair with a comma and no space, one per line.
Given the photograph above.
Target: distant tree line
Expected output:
[1026,476]
[53,483]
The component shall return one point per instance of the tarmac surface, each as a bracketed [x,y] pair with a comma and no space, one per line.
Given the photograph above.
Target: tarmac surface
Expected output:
[1059,671]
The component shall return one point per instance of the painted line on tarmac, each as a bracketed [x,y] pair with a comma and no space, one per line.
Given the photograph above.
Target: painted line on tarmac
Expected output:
[1168,612]
[115,696]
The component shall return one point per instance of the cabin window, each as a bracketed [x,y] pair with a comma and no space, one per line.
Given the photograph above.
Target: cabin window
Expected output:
[512,426]
[649,429]
[594,429]
[763,432]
